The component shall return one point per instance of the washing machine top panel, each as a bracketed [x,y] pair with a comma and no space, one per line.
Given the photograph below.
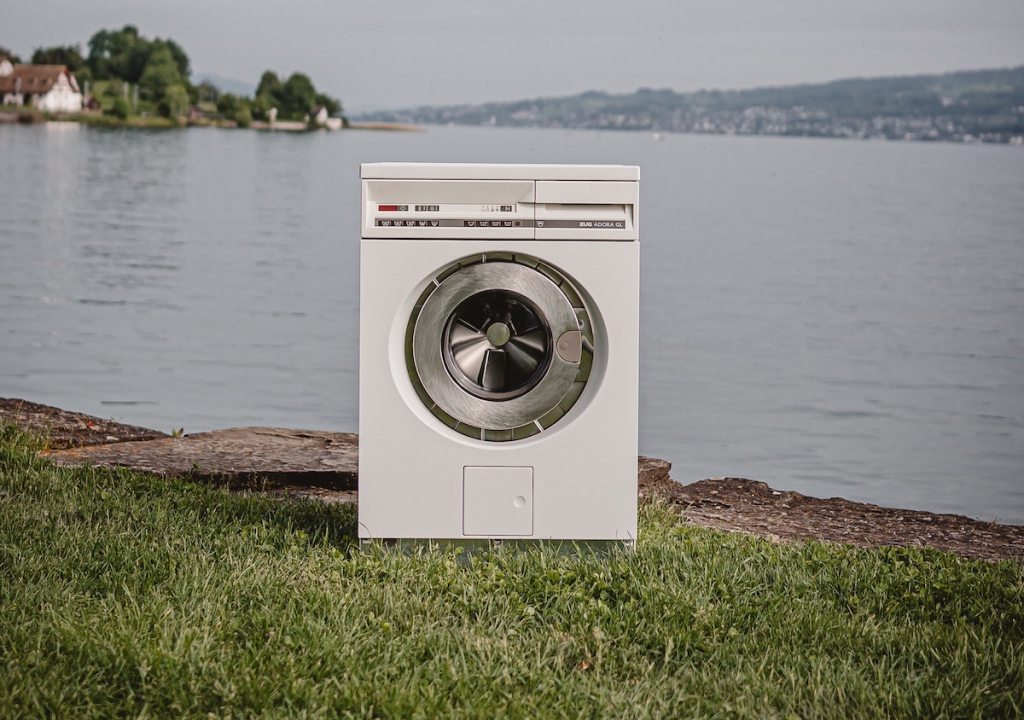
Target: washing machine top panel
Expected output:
[508,202]
[497,171]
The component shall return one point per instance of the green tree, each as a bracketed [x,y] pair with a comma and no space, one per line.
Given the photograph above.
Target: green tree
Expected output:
[235,108]
[120,54]
[333,105]
[180,58]
[298,96]
[175,101]
[114,89]
[160,74]
[120,108]
[260,105]
[242,115]
[125,54]
[5,53]
[99,55]
[294,98]
[270,85]
[227,104]
[70,55]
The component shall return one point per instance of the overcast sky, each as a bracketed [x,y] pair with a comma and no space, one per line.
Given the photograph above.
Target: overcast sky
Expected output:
[409,52]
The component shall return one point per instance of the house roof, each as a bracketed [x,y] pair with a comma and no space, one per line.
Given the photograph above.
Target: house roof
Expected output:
[35,79]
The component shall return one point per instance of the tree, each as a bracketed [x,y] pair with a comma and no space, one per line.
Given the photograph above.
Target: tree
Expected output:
[124,54]
[5,53]
[294,98]
[70,55]
[270,85]
[161,72]
[180,58]
[118,53]
[235,108]
[99,55]
[227,104]
[115,89]
[260,105]
[175,101]
[298,96]
[333,105]
[242,116]
[120,108]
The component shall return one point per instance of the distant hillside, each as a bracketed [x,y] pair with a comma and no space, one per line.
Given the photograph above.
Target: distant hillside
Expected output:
[968,106]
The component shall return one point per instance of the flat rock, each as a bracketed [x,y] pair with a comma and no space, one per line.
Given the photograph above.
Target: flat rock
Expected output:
[237,456]
[66,429]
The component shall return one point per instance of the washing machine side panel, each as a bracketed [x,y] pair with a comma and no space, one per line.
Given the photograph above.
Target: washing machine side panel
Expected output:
[405,486]
[586,486]
[411,468]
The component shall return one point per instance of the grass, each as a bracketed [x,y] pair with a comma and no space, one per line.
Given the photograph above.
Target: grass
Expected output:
[135,121]
[126,595]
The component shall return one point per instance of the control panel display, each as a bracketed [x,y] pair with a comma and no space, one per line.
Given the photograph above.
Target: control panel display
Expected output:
[453,215]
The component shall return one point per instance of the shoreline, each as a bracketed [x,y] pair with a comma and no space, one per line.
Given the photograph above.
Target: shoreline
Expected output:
[323,466]
[153,122]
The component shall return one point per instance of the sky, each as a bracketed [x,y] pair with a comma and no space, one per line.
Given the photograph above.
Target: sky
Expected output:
[403,53]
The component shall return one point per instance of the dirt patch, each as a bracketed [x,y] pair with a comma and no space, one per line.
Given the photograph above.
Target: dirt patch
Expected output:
[750,506]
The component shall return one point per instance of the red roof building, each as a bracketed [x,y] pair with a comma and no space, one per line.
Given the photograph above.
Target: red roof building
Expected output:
[52,88]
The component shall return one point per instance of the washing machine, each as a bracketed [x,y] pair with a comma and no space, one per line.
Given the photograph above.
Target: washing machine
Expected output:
[498,358]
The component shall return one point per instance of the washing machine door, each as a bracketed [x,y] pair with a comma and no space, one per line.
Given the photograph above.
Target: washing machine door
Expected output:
[498,347]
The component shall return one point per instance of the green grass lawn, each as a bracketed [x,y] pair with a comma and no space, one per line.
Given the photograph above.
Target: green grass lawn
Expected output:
[126,595]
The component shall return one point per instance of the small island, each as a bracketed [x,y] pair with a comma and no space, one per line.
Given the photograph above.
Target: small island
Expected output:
[126,79]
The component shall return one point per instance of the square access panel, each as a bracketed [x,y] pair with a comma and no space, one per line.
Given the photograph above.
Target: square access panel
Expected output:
[497,501]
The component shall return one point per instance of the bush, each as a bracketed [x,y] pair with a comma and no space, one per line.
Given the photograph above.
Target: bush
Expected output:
[243,117]
[120,108]
[174,102]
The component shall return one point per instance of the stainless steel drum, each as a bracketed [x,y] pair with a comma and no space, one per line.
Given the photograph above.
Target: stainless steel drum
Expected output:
[499,346]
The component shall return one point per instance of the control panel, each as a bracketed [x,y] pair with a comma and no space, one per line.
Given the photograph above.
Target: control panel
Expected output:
[449,215]
[513,209]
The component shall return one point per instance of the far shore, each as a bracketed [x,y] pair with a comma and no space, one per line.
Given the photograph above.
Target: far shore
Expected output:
[20,116]
[393,126]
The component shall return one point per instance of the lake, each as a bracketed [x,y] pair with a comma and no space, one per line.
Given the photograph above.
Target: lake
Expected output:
[833,317]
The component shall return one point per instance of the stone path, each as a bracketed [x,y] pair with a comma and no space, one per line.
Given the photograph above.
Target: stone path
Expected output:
[324,466]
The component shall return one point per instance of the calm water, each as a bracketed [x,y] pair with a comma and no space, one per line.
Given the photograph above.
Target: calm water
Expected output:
[839,318]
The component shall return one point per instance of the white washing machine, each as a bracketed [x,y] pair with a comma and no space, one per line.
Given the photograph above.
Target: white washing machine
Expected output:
[498,359]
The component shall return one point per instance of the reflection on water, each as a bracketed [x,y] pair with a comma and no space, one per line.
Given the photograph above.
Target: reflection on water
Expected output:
[840,318]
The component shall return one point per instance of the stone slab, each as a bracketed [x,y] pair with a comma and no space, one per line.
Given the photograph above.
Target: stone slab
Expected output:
[65,429]
[237,456]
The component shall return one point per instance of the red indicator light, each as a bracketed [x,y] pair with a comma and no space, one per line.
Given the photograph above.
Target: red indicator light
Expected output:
[387,208]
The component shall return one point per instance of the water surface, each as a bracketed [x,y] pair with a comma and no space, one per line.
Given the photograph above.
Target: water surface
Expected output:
[835,317]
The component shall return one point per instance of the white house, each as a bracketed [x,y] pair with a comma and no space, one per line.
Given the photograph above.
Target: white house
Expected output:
[320,118]
[51,88]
